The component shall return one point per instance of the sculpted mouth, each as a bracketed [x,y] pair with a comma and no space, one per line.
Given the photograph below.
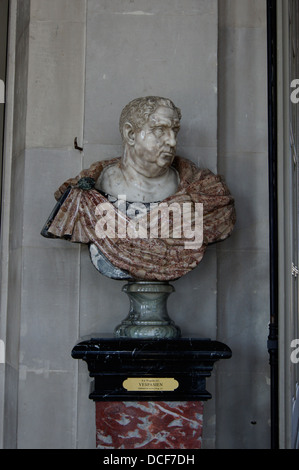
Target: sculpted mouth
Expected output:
[168,154]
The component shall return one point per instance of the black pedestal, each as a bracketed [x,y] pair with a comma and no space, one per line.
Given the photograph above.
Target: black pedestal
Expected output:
[150,370]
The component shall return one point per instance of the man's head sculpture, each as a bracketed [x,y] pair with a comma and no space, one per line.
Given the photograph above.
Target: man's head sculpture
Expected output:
[138,111]
[149,128]
[114,205]
[147,216]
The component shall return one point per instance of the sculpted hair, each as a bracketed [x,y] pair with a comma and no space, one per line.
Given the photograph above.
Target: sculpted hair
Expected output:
[138,111]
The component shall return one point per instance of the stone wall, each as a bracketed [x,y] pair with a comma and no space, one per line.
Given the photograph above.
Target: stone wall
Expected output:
[243,262]
[78,62]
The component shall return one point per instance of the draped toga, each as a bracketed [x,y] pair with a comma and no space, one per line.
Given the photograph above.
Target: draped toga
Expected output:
[150,259]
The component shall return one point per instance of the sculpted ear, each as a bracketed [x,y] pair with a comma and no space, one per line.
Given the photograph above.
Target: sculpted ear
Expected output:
[129,133]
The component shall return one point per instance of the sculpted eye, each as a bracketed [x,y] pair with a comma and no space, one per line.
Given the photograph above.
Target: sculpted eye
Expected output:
[159,131]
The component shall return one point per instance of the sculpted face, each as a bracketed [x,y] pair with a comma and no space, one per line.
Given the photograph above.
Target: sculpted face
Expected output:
[149,130]
[155,144]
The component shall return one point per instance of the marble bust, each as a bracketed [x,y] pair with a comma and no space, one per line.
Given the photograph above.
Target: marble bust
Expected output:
[145,173]
[149,171]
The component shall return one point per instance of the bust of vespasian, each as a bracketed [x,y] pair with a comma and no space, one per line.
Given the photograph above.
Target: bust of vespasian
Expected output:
[149,128]
[148,171]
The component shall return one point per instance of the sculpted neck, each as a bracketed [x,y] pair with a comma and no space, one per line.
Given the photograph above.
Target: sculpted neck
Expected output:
[136,184]
[142,188]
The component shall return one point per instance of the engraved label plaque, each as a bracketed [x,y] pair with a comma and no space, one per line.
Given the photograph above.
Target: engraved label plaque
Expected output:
[149,384]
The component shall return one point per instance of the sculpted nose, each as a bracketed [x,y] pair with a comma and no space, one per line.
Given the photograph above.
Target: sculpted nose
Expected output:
[171,139]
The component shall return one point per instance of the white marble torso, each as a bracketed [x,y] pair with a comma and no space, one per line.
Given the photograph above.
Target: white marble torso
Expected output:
[113,181]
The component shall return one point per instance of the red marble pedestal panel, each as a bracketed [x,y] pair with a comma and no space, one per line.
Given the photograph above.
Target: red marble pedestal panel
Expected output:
[149,425]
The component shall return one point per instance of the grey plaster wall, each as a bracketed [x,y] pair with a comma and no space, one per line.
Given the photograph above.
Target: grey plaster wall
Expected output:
[78,62]
[149,48]
[15,170]
[3,45]
[243,261]
[137,49]
[43,278]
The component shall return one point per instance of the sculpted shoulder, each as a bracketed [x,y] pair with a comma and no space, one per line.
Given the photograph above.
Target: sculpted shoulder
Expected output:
[110,180]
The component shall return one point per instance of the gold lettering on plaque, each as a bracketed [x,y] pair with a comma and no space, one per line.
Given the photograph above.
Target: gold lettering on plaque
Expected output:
[149,384]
